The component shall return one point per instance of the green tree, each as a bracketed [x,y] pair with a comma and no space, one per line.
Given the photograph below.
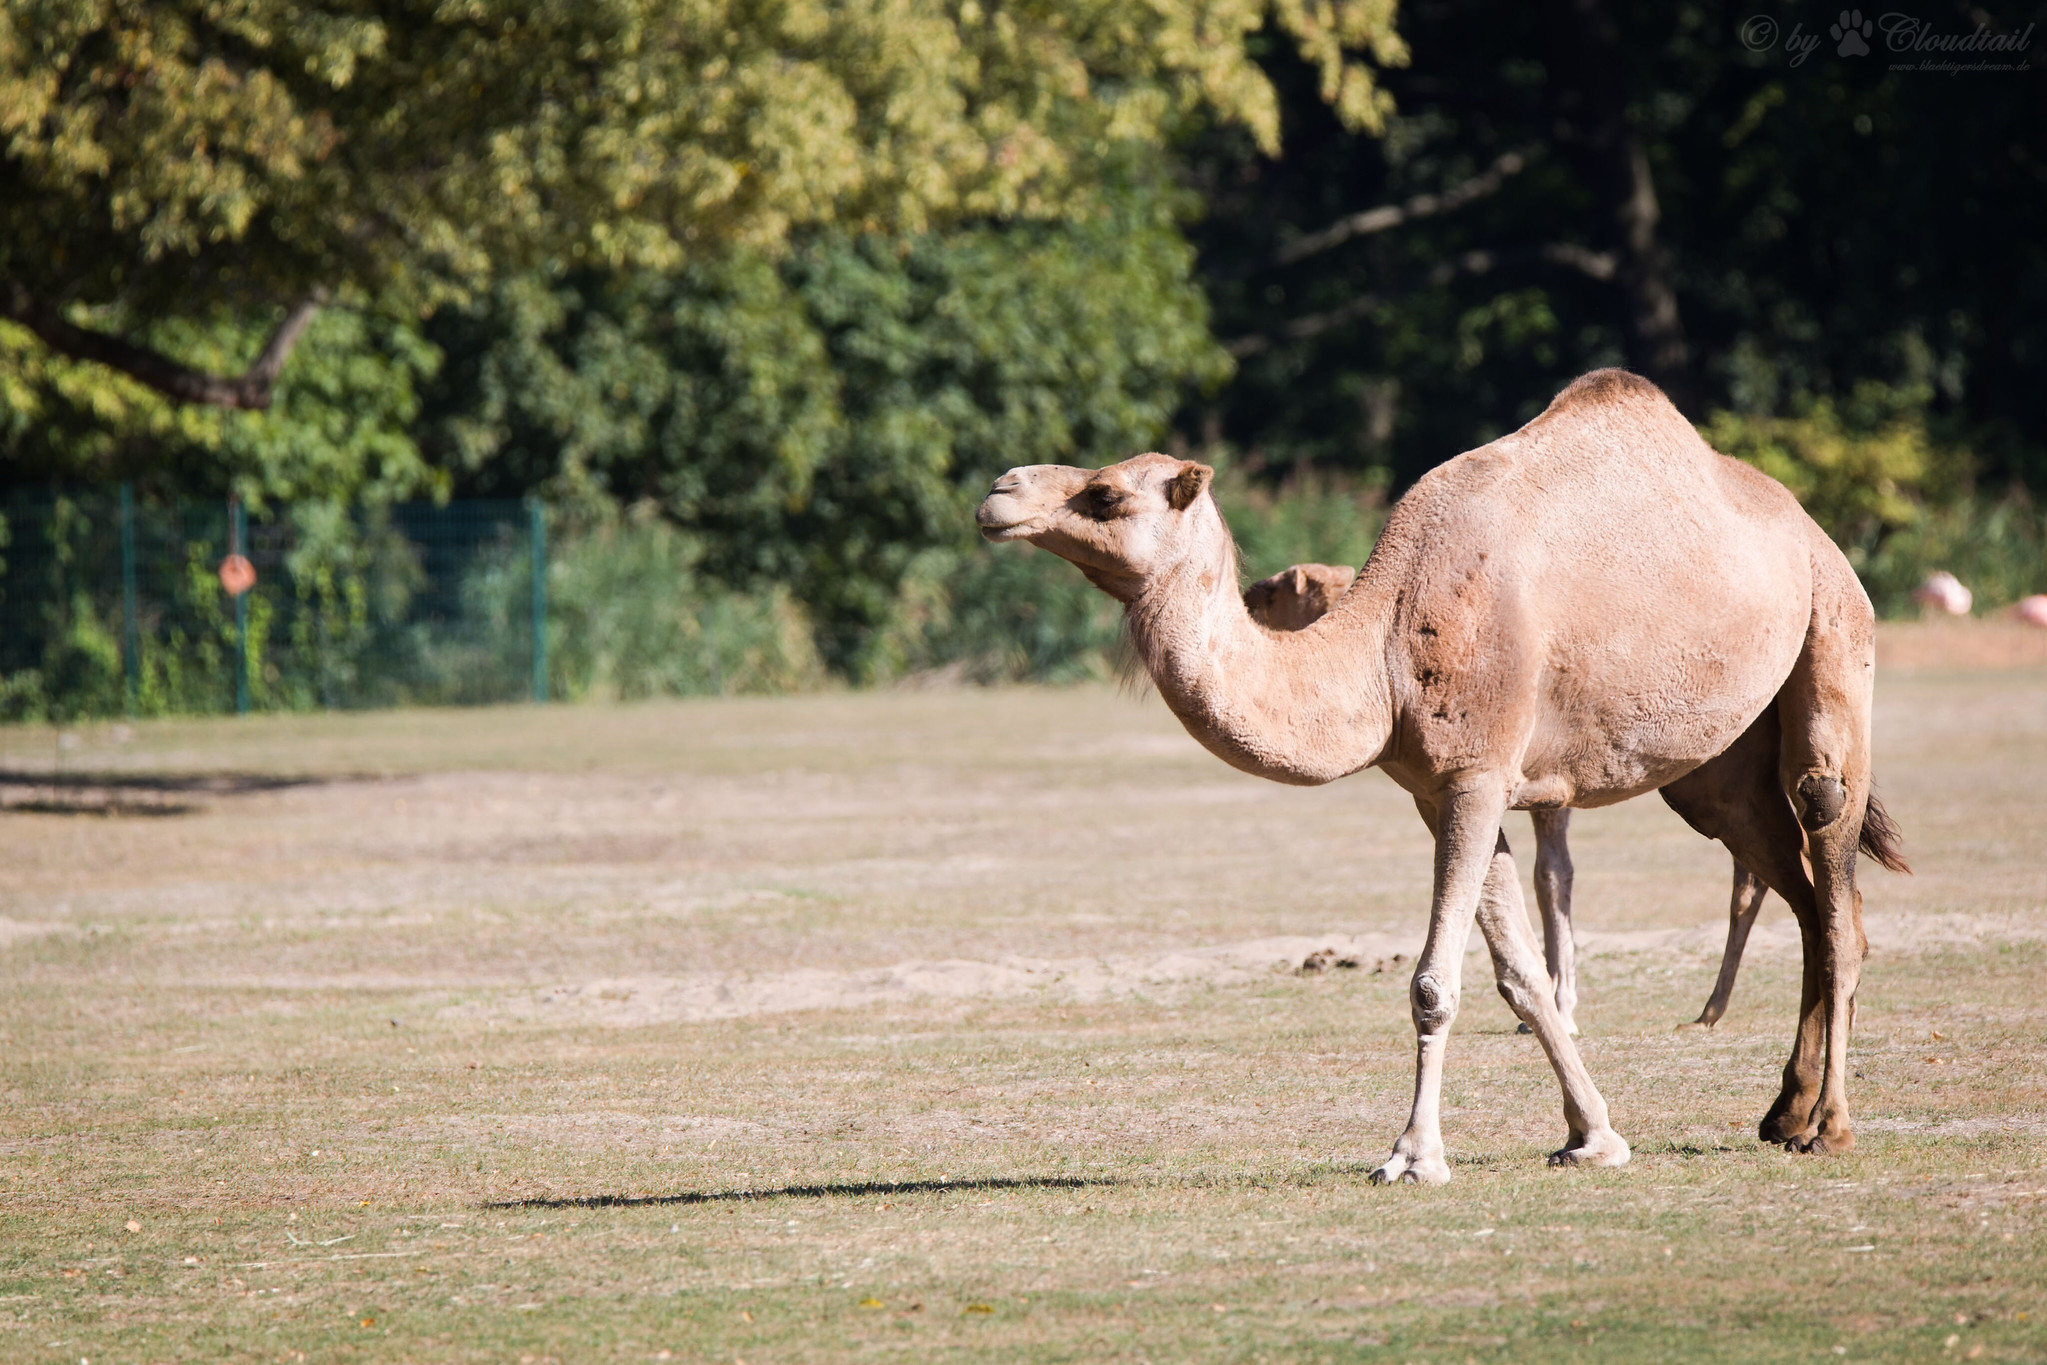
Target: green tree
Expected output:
[822,419]
[254,159]
[339,431]
[1667,186]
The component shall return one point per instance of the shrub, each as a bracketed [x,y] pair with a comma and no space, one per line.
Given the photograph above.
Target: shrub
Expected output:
[1897,497]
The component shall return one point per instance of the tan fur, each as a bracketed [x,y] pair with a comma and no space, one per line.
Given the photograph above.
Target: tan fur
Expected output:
[1297,597]
[1590,608]
[1300,595]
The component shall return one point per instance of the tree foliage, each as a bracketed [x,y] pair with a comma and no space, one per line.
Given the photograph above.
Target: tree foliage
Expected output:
[342,428]
[1818,226]
[758,291]
[821,419]
[174,158]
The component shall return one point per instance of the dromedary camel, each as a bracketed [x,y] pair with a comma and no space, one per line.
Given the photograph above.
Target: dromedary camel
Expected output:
[1590,608]
[1298,596]
[1301,594]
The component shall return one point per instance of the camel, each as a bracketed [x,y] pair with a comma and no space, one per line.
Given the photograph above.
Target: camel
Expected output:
[1553,876]
[1300,595]
[1587,609]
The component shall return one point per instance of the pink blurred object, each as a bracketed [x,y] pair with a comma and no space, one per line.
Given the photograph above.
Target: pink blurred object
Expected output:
[2032,610]
[1942,591]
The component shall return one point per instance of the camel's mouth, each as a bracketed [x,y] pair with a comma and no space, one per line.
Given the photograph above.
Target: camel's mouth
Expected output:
[1003,515]
[1015,508]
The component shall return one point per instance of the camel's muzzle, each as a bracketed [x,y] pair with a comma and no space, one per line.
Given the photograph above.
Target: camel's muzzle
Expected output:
[1000,518]
[1009,510]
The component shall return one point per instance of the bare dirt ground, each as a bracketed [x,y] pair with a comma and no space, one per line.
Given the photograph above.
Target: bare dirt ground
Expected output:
[1947,645]
[956,1025]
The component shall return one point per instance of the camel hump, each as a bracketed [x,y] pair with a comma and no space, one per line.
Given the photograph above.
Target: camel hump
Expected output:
[1611,416]
[1604,423]
[1607,387]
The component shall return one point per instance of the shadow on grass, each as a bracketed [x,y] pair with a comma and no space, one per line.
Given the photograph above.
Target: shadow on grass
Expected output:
[147,794]
[88,806]
[854,1190]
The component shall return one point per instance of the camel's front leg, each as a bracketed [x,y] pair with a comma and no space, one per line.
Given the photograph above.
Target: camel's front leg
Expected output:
[1467,830]
[1526,989]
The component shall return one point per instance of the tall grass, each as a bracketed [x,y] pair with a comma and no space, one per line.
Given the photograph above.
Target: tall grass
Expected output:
[629,616]
[1995,545]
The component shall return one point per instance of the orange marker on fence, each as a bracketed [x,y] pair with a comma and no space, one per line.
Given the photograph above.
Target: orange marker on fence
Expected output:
[237,574]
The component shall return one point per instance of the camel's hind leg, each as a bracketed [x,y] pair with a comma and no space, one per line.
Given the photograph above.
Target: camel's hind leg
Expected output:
[1738,799]
[1743,904]
[1553,898]
[1527,991]
[1824,709]
[1553,878]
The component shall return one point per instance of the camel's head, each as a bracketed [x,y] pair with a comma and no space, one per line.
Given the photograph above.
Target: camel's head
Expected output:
[1296,598]
[1120,525]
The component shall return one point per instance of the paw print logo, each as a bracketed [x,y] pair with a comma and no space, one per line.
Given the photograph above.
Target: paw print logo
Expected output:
[1852,33]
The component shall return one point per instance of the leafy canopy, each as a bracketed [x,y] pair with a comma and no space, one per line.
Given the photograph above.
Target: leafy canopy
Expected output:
[341,429]
[173,156]
[822,419]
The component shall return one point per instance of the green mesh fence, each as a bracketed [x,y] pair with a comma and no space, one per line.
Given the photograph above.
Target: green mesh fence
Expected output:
[111,604]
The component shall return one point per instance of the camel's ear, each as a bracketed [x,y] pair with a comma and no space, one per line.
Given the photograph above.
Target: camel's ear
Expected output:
[1187,485]
[1298,576]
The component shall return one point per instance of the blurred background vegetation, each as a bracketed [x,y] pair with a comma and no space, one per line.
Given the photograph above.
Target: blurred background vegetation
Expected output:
[756,297]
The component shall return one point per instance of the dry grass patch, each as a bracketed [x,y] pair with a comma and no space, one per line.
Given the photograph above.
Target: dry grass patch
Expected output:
[380,1068]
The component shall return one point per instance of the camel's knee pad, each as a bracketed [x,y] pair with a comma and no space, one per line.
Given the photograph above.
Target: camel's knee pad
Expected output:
[1433,1002]
[1519,997]
[1821,799]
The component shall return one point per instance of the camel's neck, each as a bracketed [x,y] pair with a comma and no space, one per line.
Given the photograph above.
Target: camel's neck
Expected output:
[1297,706]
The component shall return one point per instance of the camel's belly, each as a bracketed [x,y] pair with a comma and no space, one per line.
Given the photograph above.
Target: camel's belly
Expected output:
[1623,751]
[1610,666]
[1632,709]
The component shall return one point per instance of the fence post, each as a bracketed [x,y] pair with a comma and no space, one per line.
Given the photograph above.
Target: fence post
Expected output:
[536,521]
[237,535]
[131,659]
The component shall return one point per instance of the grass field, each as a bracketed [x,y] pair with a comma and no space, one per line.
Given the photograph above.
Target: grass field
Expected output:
[956,1025]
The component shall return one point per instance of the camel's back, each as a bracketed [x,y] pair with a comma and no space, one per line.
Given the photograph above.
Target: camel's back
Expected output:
[1601,561]
[1610,465]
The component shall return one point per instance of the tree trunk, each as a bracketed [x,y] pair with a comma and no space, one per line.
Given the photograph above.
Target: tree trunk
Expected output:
[1588,104]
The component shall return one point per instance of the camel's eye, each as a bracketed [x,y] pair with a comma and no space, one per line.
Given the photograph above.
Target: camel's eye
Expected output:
[1100,502]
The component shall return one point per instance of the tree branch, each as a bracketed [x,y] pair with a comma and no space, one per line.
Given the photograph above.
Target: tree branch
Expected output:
[1304,327]
[1393,215]
[249,390]
[1599,265]
[1588,97]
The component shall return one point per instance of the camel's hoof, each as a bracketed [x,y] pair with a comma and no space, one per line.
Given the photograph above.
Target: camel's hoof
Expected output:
[1601,1147]
[1782,1129]
[1825,1143]
[1702,1025]
[1412,1171]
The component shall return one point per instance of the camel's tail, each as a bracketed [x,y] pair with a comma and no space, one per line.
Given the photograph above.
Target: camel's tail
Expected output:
[1880,837]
